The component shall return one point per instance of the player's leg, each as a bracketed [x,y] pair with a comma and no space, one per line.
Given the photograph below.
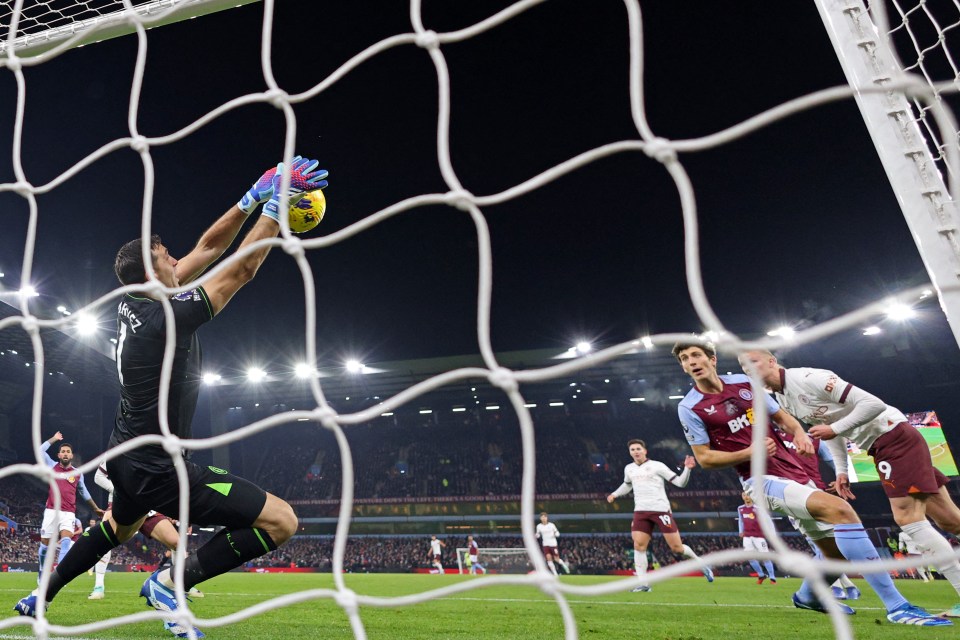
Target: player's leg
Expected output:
[561,561]
[910,512]
[749,545]
[941,508]
[671,535]
[65,543]
[160,528]
[100,573]
[641,531]
[255,522]
[548,556]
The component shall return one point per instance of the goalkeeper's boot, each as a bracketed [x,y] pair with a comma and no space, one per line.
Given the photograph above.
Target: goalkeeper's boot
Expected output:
[952,612]
[96,594]
[28,606]
[816,605]
[195,593]
[838,593]
[917,616]
[853,593]
[708,574]
[162,598]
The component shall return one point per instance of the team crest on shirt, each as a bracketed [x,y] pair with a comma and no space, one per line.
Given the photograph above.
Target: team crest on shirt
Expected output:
[71,479]
[746,394]
[803,398]
[186,296]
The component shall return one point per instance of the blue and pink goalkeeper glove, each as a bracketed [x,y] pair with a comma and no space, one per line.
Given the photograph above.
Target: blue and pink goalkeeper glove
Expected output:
[304,176]
[261,191]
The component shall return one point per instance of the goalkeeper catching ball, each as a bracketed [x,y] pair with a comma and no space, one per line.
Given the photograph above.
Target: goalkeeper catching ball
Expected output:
[254,522]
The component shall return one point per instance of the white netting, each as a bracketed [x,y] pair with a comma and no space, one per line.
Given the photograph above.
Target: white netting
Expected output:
[458,197]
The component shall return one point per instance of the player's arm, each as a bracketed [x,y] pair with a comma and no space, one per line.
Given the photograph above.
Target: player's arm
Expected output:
[221,288]
[85,494]
[740,522]
[46,445]
[103,480]
[681,480]
[709,458]
[792,426]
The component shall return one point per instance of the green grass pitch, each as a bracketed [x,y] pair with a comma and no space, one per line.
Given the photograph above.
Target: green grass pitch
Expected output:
[679,609]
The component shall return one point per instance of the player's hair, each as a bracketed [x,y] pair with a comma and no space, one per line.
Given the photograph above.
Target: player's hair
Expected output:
[65,444]
[543,513]
[636,441]
[129,262]
[707,347]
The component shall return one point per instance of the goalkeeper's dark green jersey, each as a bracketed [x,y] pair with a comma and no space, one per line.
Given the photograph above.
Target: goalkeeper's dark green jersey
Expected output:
[141,339]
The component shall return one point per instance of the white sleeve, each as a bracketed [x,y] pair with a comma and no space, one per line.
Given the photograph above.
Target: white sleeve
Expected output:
[103,480]
[556,532]
[622,490]
[539,526]
[838,449]
[866,407]
[682,479]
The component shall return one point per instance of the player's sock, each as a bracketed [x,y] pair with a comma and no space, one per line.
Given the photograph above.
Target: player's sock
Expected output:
[756,567]
[100,570]
[854,544]
[42,555]
[640,563]
[553,567]
[92,545]
[563,564]
[932,542]
[65,545]
[844,581]
[226,550]
[768,564]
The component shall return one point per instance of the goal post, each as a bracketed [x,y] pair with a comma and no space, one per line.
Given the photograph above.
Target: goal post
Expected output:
[497,559]
[42,30]
[909,157]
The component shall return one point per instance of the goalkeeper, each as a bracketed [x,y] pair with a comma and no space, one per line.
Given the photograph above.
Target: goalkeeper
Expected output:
[255,522]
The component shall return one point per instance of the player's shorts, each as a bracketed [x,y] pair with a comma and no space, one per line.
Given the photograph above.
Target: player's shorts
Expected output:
[789,497]
[550,551]
[436,557]
[754,543]
[645,520]
[217,497]
[903,463]
[474,559]
[153,519]
[54,524]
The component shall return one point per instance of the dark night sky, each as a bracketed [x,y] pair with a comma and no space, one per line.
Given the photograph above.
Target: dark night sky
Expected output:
[797,220]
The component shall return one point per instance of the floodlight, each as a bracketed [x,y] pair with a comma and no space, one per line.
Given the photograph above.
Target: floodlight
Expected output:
[583,347]
[354,366]
[211,378]
[900,311]
[28,292]
[255,374]
[86,324]
[871,331]
[304,370]
[784,332]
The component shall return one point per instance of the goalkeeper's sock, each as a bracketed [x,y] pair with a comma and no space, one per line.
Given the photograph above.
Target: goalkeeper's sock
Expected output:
[65,545]
[930,541]
[92,545]
[768,565]
[756,567]
[854,544]
[225,551]
[640,563]
[553,567]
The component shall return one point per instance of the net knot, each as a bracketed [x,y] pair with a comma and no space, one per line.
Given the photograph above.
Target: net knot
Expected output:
[139,144]
[428,40]
[278,98]
[155,289]
[172,445]
[547,583]
[13,63]
[660,150]
[326,416]
[460,198]
[30,324]
[294,247]
[347,600]
[503,378]
[23,188]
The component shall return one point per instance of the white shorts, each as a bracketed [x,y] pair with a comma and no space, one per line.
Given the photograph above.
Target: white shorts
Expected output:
[52,525]
[755,544]
[789,497]
[473,559]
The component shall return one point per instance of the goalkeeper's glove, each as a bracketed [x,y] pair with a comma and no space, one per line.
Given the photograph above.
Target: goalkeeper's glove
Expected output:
[261,191]
[304,176]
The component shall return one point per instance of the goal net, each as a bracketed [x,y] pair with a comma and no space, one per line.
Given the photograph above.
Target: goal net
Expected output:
[905,102]
[495,560]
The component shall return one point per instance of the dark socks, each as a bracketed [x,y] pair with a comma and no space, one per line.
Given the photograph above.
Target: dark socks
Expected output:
[92,545]
[225,551]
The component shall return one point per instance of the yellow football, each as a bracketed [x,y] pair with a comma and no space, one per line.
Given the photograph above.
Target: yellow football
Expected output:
[306,211]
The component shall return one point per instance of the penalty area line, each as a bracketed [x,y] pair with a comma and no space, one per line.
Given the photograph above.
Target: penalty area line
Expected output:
[644,603]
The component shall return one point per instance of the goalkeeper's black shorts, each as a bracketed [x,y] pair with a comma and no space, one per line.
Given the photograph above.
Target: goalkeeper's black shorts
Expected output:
[217,497]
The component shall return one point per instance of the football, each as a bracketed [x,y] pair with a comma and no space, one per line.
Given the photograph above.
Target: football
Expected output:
[306,211]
